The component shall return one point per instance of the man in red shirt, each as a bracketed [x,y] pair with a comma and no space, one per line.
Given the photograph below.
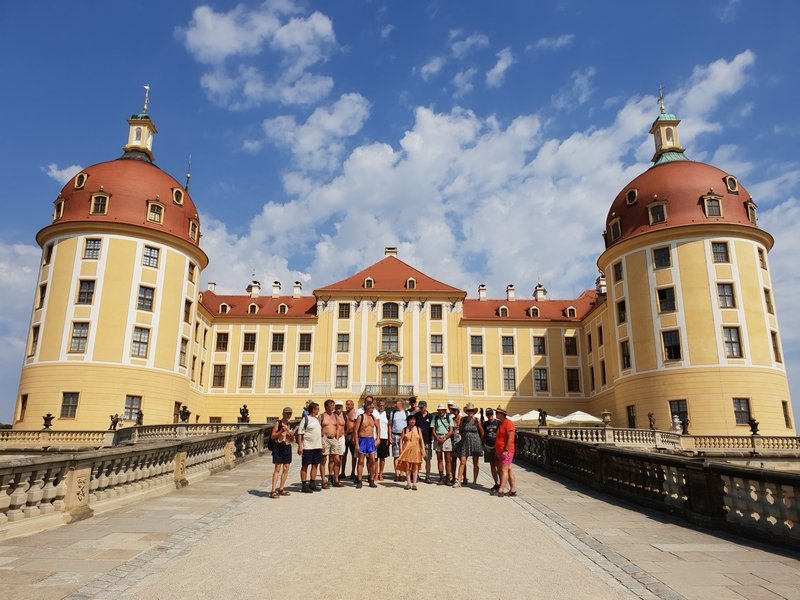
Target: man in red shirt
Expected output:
[504,451]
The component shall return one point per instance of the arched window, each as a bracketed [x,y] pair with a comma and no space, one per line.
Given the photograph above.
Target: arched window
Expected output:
[411,283]
[391,310]
[571,313]
[137,134]
[503,311]
[252,309]
[534,311]
[389,339]
[282,308]
[369,283]
[223,309]
[670,137]
[389,377]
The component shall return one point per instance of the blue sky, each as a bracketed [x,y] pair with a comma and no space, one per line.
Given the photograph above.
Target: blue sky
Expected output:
[486,142]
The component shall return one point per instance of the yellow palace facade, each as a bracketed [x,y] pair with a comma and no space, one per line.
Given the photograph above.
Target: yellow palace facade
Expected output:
[681,321]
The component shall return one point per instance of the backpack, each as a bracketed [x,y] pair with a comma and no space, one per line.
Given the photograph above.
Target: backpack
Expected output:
[296,429]
[270,441]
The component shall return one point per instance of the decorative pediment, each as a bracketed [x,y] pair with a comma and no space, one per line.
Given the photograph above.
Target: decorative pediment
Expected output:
[388,357]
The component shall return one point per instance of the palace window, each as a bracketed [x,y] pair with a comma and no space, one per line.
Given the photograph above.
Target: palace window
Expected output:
[305,342]
[622,313]
[80,334]
[618,273]
[277,342]
[768,302]
[69,405]
[411,283]
[85,291]
[599,335]
[369,283]
[661,258]
[389,341]
[42,295]
[187,312]
[275,376]
[99,204]
[787,420]
[246,376]
[509,379]
[249,343]
[680,408]
[762,258]
[752,212]
[657,213]
[436,344]
[150,257]
[177,196]
[222,342]
[776,348]
[631,196]
[672,344]
[631,412]
[342,372]
[571,346]
[539,347]
[252,309]
[80,180]
[476,344]
[573,380]
[437,378]
[48,254]
[344,310]
[507,342]
[182,352]
[615,228]
[666,299]
[58,212]
[141,342]
[144,300]
[731,184]
[713,206]
[436,312]
[34,340]
[591,377]
[602,372]
[540,380]
[190,272]
[303,376]
[193,230]
[155,212]
[343,342]
[477,378]
[503,311]
[571,313]
[534,311]
[588,342]
[218,378]
[725,295]
[391,310]
[223,309]
[282,309]
[719,250]
[625,354]
[91,249]
[741,410]
[132,406]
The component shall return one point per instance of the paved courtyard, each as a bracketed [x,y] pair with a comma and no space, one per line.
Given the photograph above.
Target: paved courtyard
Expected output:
[224,538]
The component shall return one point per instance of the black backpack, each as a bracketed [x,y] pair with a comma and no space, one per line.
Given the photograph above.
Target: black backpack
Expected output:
[270,441]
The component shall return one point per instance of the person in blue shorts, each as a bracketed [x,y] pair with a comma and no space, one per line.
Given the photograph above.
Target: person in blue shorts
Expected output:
[367,430]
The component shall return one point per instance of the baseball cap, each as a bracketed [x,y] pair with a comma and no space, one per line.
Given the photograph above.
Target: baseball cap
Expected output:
[338,403]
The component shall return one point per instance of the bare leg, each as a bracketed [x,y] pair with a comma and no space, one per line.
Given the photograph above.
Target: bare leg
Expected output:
[448,464]
[440,463]
[283,476]
[512,479]
[322,466]
[361,459]
[475,469]
[275,476]
[333,467]
[503,477]
[304,473]
[495,474]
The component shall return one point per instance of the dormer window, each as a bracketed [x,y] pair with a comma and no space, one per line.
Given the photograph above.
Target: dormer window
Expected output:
[411,283]
[369,283]
[631,196]
[58,211]
[80,180]
[223,309]
[503,311]
[615,228]
[193,229]
[657,211]
[752,213]
[282,309]
[99,204]
[177,196]
[155,212]
[712,206]
[252,309]
[571,312]
[533,311]
[731,184]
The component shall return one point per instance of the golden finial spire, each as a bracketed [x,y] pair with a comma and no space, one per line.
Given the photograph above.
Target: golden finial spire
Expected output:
[146,97]
[661,99]
[188,173]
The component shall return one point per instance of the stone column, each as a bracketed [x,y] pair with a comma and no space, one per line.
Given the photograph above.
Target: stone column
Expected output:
[76,505]
[180,469]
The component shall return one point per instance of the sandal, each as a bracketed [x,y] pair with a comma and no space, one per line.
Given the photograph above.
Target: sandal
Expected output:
[285,493]
[325,486]
[274,495]
[499,494]
[514,493]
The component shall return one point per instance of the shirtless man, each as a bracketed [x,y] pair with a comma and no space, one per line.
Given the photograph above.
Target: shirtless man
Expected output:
[349,443]
[332,446]
[367,429]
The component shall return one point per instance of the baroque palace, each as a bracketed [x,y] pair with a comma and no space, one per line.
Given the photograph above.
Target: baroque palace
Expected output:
[681,321]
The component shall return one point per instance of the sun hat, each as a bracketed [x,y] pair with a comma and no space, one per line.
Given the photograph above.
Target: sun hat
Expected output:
[469,407]
[339,403]
[441,407]
[451,403]
[500,409]
[454,405]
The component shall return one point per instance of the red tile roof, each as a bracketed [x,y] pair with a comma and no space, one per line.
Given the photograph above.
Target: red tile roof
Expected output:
[304,307]
[518,309]
[390,275]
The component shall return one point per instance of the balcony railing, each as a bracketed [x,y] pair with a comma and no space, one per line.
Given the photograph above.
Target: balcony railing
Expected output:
[388,390]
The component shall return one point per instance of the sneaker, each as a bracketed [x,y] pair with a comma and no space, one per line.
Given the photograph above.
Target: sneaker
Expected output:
[456,484]
[338,484]
[359,484]
[372,484]
[441,481]
[407,487]
[306,489]
[414,487]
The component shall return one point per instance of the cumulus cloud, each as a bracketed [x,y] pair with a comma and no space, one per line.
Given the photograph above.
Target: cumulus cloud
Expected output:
[552,43]
[242,46]
[62,175]
[432,67]
[318,143]
[462,82]
[577,91]
[497,74]
[463,46]
[386,31]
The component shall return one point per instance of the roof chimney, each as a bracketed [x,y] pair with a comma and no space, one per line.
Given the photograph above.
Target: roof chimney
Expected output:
[600,284]
[212,286]
[298,287]
[539,292]
[390,251]
[482,292]
[276,289]
[254,289]
[510,292]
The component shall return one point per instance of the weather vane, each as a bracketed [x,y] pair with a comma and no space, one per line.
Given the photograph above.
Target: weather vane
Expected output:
[661,98]
[146,97]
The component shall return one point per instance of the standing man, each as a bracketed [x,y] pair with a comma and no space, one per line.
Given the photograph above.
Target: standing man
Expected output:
[349,443]
[412,406]
[383,439]
[366,428]
[397,423]
[442,428]
[332,446]
[504,451]
[281,436]
[490,424]
[309,446]
[424,419]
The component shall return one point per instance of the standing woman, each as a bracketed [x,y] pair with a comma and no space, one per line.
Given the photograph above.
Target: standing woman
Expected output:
[457,417]
[281,437]
[471,444]
[412,451]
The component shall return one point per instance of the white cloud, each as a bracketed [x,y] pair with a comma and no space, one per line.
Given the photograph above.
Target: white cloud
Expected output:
[60,175]
[552,43]
[432,67]
[230,43]
[577,91]
[317,144]
[496,75]
[729,11]
[387,31]
[462,82]
[465,46]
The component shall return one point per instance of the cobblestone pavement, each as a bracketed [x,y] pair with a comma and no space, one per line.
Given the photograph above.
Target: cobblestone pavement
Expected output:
[225,537]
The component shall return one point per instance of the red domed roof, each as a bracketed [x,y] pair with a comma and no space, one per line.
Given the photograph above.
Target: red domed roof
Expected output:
[130,184]
[681,185]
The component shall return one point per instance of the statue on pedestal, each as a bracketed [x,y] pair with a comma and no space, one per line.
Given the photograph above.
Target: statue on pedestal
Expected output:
[139,418]
[542,417]
[651,418]
[753,426]
[184,414]
[115,420]
[676,423]
[245,412]
[48,420]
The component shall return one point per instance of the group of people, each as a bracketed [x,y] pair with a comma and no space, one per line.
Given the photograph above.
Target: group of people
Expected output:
[411,436]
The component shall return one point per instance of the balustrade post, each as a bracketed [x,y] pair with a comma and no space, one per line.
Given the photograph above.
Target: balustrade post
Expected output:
[76,501]
[180,430]
[230,453]
[180,469]
[705,494]
[688,443]
[758,443]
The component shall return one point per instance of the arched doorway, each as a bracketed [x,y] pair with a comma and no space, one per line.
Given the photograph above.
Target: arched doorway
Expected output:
[389,379]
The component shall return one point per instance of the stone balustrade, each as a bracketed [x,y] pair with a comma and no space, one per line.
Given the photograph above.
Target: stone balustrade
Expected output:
[40,492]
[46,438]
[758,503]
